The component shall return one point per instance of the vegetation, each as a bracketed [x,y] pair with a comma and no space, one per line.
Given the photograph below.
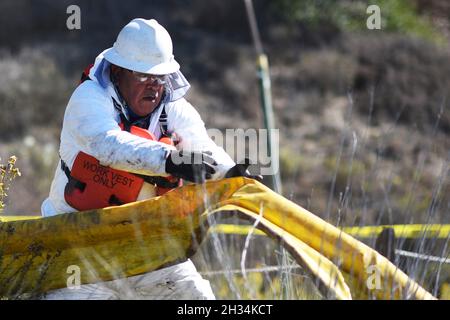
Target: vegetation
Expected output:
[8,172]
[398,16]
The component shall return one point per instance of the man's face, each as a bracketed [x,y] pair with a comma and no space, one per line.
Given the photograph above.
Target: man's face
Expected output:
[141,96]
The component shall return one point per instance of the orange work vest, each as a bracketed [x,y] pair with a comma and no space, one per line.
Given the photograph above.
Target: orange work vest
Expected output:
[94,186]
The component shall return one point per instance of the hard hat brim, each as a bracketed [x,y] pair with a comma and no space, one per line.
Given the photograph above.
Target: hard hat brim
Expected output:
[164,68]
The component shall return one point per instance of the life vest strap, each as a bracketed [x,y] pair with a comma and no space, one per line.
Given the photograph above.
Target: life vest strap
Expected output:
[159,181]
[163,122]
[74,182]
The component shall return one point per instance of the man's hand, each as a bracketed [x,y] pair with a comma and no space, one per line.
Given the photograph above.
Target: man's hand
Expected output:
[241,170]
[191,166]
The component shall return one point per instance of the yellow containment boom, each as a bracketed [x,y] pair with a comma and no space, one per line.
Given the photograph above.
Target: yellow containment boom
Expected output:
[406,231]
[135,238]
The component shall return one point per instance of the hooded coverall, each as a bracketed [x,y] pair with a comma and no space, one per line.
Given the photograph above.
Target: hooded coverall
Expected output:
[91,124]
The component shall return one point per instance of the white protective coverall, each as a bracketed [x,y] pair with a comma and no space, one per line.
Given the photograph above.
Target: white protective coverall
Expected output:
[91,124]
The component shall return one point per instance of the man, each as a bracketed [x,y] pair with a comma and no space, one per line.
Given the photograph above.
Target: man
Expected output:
[135,85]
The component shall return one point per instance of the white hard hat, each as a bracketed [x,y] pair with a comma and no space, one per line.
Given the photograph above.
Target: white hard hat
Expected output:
[144,46]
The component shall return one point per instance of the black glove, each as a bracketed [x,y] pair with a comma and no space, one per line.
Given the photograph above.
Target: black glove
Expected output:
[241,170]
[191,166]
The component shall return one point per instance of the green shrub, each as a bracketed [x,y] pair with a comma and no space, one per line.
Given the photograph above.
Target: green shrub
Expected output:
[400,16]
